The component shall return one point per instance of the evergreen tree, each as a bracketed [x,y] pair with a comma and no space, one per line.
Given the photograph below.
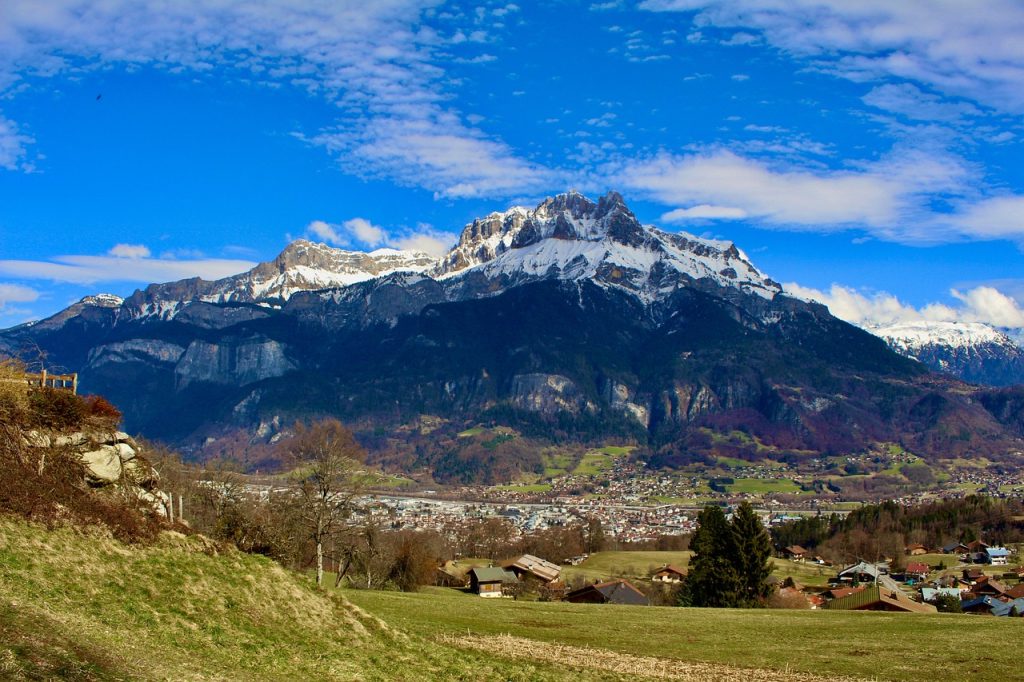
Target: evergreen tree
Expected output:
[712,579]
[753,547]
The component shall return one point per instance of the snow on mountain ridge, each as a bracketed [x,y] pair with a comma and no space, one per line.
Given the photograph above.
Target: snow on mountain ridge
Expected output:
[910,336]
[571,237]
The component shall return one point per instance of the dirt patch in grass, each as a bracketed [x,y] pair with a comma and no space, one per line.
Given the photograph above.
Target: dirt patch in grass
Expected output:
[518,648]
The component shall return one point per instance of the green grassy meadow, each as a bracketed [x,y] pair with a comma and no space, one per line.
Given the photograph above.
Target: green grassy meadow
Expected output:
[79,605]
[831,643]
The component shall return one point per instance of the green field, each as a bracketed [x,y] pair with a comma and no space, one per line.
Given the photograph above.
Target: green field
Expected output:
[876,646]
[601,565]
[760,486]
[597,461]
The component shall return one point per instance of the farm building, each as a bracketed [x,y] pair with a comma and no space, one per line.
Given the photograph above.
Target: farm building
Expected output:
[669,574]
[997,556]
[612,592]
[487,582]
[794,553]
[528,566]
[875,598]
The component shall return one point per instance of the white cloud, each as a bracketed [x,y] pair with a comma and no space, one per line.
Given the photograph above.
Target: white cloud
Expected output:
[427,240]
[365,232]
[889,197]
[993,218]
[91,269]
[704,211]
[436,152]
[981,304]
[972,50]
[360,232]
[325,232]
[15,293]
[782,197]
[129,251]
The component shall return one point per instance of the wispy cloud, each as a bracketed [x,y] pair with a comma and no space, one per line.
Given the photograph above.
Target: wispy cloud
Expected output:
[121,267]
[376,60]
[971,51]
[877,196]
[15,293]
[13,145]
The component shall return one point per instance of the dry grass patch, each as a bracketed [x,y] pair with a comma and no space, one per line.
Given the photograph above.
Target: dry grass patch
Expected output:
[625,664]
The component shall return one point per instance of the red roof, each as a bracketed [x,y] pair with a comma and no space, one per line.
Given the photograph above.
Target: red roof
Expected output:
[917,567]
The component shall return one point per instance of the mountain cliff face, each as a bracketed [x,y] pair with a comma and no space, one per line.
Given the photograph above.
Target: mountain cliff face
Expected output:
[571,319]
[970,351]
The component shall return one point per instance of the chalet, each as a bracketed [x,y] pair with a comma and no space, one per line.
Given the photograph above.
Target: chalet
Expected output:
[1016,592]
[986,586]
[916,571]
[972,575]
[794,553]
[955,548]
[669,574]
[976,546]
[862,572]
[991,606]
[487,582]
[876,598]
[530,567]
[997,556]
[612,592]
[916,550]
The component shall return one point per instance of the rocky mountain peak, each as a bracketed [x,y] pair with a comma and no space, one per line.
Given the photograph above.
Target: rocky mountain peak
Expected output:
[571,237]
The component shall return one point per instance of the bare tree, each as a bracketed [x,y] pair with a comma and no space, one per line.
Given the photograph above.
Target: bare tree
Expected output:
[327,475]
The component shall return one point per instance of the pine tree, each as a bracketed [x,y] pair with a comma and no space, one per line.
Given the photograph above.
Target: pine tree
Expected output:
[712,579]
[753,549]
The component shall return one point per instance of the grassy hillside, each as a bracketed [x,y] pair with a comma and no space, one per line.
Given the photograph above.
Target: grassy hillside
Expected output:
[80,605]
[83,606]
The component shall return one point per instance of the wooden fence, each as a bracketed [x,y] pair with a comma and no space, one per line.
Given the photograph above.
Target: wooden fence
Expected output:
[65,382]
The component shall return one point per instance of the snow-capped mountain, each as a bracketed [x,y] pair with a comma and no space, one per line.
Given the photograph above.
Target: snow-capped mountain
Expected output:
[567,237]
[969,350]
[302,266]
[570,237]
[571,313]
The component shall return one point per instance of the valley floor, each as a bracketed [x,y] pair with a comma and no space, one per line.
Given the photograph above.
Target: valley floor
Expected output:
[79,605]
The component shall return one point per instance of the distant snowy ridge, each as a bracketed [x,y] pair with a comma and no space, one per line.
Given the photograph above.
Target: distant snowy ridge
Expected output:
[909,336]
[969,350]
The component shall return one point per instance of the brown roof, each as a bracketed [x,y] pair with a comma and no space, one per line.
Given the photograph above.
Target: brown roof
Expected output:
[917,567]
[671,568]
[613,591]
[527,563]
[873,596]
[1016,591]
[796,549]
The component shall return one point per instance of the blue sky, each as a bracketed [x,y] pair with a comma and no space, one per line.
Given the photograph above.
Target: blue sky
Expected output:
[868,154]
